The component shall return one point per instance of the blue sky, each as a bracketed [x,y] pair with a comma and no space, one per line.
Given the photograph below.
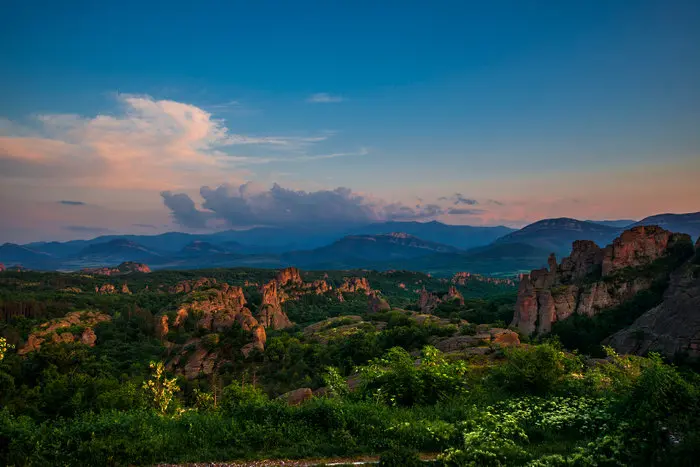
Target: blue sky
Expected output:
[550,108]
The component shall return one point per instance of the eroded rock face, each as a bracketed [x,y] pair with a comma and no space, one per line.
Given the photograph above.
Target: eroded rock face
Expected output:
[318,287]
[161,326]
[354,285]
[461,278]
[289,276]
[88,337]
[270,313]
[428,301]
[673,327]
[189,286]
[586,281]
[585,258]
[485,337]
[218,311]
[56,330]
[636,247]
[127,267]
[106,289]
[259,339]
[454,295]
[376,303]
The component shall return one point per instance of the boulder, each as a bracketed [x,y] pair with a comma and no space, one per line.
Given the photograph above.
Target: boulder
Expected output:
[376,303]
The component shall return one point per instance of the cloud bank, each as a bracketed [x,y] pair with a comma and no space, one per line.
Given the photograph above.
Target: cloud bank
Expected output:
[249,205]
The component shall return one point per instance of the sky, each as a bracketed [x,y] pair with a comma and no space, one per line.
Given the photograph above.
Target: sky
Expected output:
[145,117]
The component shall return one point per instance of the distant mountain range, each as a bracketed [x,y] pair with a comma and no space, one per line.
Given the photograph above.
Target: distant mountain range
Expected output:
[557,235]
[430,246]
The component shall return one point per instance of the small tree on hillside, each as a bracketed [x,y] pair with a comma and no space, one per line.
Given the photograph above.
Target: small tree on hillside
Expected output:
[160,388]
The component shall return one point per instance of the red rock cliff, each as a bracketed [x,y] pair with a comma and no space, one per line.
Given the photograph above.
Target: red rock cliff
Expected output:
[548,295]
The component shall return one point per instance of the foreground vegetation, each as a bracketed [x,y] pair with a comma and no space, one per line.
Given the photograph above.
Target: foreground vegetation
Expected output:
[384,389]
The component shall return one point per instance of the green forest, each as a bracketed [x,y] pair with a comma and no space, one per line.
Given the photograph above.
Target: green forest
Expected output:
[98,370]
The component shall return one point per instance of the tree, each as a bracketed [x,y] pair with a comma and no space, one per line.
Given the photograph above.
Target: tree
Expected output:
[160,388]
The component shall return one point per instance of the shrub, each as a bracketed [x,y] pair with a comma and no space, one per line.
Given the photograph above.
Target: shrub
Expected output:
[538,369]
[396,380]
[236,395]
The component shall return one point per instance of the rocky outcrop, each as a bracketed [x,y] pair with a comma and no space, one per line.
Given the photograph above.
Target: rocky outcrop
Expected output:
[128,267]
[2,267]
[218,311]
[590,279]
[493,337]
[190,285]
[88,337]
[161,326]
[377,304]
[636,247]
[586,258]
[289,276]
[106,289]
[318,287]
[76,326]
[270,313]
[673,327]
[258,343]
[454,295]
[297,396]
[462,278]
[194,359]
[355,285]
[427,301]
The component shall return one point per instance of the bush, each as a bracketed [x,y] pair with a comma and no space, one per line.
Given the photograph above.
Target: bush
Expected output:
[537,369]
[396,380]
[236,395]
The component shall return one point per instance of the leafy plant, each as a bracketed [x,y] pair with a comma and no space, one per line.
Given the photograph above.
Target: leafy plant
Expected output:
[161,389]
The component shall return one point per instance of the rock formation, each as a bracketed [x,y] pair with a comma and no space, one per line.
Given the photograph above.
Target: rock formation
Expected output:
[462,278]
[355,285]
[221,307]
[106,289]
[125,289]
[377,304]
[189,286]
[427,301]
[318,287]
[590,279]
[673,327]
[636,247]
[127,267]
[218,311]
[289,276]
[259,339]
[2,267]
[484,337]
[270,313]
[161,326]
[76,326]
[454,295]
